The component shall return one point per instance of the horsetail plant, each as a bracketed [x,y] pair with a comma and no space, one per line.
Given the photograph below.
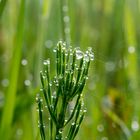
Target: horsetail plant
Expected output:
[63,92]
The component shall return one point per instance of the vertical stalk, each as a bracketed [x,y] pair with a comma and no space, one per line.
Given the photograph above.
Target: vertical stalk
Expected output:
[65,21]
[51,129]
[62,21]
[8,110]
[61,119]
[2,6]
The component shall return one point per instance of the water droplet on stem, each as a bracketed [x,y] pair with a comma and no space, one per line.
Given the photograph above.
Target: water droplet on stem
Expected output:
[79,53]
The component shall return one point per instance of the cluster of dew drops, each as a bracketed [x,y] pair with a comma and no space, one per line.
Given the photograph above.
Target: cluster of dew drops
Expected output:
[87,56]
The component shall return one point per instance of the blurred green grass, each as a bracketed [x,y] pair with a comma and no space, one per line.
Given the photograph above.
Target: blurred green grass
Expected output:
[29,31]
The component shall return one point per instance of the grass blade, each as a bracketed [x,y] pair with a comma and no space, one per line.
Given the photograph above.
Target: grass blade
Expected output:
[7,115]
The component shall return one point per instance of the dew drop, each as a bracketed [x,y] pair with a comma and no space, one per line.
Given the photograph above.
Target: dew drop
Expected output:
[54,50]
[27,82]
[57,138]
[50,84]
[57,85]
[65,8]
[52,107]
[44,76]
[77,68]
[75,65]
[135,125]
[59,43]
[131,49]
[85,110]
[66,71]
[73,123]
[5,82]
[54,93]
[24,62]
[100,128]
[48,44]
[71,110]
[72,72]
[86,77]
[77,125]
[66,54]
[82,104]
[89,49]
[86,58]
[79,53]
[41,89]
[60,131]
[104,138]
[66,120]
[64,45]
[91,54]
[66,19]
[70,49]
[46,62]
[19,132]
[64,49]
[41,100]
[110,66]
[37,99]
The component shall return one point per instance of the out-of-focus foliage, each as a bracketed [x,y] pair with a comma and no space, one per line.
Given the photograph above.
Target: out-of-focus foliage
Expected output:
[29,31]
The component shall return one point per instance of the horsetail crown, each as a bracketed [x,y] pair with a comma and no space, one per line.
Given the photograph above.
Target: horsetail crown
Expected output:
[72,67]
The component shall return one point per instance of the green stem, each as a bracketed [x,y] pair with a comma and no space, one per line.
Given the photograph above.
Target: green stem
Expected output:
[61,119]
[2,6]
[8,110]
[62,20]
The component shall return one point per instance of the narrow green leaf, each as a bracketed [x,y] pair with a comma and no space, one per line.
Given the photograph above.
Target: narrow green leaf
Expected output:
[8,110]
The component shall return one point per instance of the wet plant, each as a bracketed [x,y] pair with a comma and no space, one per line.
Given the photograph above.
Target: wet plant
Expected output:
[61,96]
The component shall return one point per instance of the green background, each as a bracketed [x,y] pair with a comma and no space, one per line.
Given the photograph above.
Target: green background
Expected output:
[30,30]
